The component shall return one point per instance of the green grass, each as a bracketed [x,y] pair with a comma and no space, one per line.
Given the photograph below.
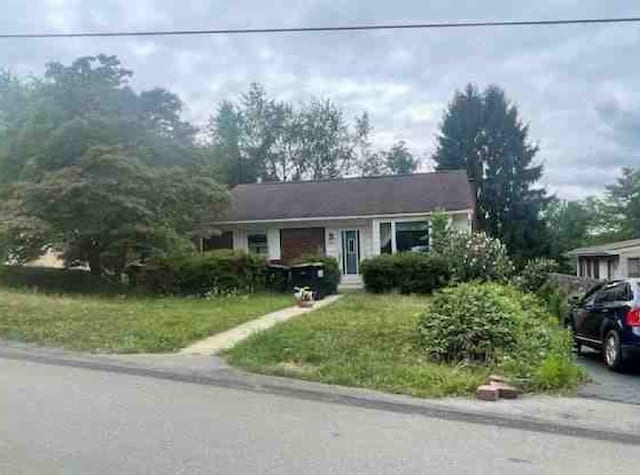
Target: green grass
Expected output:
[362,340]
[124,324]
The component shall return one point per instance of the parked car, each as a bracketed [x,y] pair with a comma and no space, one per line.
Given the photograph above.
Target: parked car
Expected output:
[607,319]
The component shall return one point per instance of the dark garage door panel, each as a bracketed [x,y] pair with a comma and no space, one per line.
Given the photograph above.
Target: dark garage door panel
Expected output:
[297,242]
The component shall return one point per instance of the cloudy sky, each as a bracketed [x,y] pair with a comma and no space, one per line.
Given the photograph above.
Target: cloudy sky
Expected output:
[577,86]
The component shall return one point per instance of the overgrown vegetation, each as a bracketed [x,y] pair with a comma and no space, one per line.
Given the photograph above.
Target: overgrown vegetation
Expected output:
[48,280]
[125,324]
[362,340]
[217,272]
[499,326]
[406,272]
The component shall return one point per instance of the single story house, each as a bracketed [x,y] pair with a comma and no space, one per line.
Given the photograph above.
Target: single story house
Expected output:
[615,260]
[350,219]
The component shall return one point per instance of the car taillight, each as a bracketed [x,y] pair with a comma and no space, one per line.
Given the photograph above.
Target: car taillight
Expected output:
[632,318]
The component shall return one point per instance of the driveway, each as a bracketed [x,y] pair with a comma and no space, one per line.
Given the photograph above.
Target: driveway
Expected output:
[620,387]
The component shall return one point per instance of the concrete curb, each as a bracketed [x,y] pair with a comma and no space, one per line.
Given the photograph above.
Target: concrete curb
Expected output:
[225,377]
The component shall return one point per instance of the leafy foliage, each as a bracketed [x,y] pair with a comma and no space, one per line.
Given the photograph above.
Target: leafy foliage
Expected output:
[483,134]
[260,138]
[501,326]
[90,167]
[406,272]
[535,274]
[471,256]
[209,273]
[50,280]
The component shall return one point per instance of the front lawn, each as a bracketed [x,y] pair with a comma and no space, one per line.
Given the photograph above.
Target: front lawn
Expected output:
[362,340]
[125,324]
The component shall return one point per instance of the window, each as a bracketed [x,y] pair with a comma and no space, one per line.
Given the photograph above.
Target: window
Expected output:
[221,241]
[633,264]
[385,238]
[619,292]
[258,244]
[596,268]
[412,236]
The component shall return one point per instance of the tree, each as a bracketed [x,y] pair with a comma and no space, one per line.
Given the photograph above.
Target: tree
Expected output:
[106,175]
[260,138]
[483,134]
[399,161]
[619,214]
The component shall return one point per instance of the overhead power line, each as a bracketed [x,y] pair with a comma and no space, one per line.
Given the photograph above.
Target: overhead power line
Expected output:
[314,29]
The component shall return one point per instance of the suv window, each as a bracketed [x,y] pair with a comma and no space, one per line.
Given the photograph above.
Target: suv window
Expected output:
[614,293]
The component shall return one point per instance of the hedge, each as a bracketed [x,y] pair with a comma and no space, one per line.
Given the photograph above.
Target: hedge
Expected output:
[405,272]
[213,272]
[53,280]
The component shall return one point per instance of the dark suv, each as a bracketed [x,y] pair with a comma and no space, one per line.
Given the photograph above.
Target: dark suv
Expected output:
[607,318]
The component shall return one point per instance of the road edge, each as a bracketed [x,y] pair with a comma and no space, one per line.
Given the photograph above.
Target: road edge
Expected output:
[239,380]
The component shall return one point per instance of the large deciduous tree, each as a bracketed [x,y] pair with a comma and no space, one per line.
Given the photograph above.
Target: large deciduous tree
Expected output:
[94,169]
[483,134]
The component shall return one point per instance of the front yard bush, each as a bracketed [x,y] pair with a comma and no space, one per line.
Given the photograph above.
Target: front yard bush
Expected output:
[499,326]
[50,280]
[535,277]
[406,272]
[209,273]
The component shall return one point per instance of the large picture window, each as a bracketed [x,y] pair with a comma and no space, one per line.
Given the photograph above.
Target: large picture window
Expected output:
[412,236]
[258,244]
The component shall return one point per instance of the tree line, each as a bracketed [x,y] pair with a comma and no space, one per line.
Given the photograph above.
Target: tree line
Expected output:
[112,176]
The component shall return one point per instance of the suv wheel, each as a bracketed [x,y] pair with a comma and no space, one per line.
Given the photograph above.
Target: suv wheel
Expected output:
[612,351]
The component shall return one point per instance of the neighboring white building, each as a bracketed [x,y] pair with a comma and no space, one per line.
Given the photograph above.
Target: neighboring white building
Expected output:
[615,260]
[349,219]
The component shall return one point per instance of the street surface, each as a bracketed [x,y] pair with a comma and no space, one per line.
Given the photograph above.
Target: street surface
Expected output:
[57,419]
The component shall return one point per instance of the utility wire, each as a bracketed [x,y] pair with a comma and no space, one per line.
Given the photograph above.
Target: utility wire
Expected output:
[312,29]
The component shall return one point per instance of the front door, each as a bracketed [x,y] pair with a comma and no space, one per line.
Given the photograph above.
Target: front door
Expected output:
[350,251]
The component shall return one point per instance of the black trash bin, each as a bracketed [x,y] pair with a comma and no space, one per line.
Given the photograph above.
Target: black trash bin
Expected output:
[312,275]
[278,277]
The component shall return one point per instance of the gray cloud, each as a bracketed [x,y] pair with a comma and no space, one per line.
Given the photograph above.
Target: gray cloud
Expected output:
[576,86]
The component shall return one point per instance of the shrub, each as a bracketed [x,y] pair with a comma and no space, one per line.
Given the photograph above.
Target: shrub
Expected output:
[498,325]
[476,256]
[213,272]
[535,278]
[406,272]
[535,274]
[332,274]
[52,280]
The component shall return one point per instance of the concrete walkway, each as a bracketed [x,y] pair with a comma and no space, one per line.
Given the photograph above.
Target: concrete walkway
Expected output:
[225,340]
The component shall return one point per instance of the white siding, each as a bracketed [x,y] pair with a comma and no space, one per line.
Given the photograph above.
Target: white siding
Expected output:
[240,239]
[366,242]
[273,243]
[332,242]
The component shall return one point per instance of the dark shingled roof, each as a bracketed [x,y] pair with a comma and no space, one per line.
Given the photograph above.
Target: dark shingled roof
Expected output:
[417,193]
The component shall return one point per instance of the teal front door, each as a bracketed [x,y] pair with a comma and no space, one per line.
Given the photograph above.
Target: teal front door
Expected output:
[350,251]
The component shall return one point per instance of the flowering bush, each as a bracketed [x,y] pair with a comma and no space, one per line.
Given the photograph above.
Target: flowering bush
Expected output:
[476,256]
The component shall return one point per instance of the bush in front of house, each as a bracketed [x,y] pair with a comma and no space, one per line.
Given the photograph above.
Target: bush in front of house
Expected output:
[331,279]
[51,280]
[535,278]
[209,273]
[405,272]
[472,256]
[500,326]
[535,274]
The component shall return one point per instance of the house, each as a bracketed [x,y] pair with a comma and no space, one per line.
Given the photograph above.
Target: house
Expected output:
[608,261]
[349,219]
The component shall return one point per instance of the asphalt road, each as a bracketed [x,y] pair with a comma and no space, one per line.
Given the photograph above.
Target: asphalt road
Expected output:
[609,385]
[56,419]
